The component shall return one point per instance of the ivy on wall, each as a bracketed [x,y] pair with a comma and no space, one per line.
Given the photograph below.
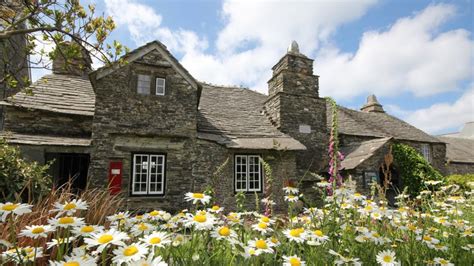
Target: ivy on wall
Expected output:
[413,168]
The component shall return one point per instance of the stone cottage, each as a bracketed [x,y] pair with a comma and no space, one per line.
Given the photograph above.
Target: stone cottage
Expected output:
[460,150]
[150,131]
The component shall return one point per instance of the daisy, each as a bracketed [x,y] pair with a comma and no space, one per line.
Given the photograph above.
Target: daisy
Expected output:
[36,231]
[69,207]
[261,246]
[441,261]
[438,247]
[14,208]
[344,260]
[265,219]
[318,237]
[60,241]
[386,258]
[262,227]
[293,261]
[292,198]
[224,233]
[103,239]
[234,218]
[66,222]
[456,199]
[297,234]
[155,215]
[141,228]
[27,254]
[201,221]
[76,260]
[359,197]
[197,197]
[86,230]
[249,252]
[156,239]
[215,209]
[323,184]
[158,261]
[127,254]
[291,190]
[427,239]
[118,216]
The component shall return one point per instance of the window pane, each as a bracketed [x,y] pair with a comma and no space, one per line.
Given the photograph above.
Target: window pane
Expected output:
[156,174]
[143,84]
[160,86]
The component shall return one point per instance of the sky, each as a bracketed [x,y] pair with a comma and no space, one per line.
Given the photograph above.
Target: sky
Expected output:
[416,56]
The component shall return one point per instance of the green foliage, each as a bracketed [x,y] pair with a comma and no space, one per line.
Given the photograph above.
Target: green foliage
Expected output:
[413,168]
[19,178]
[461,180]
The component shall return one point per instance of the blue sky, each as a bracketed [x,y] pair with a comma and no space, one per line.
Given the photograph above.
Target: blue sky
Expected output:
[416,56]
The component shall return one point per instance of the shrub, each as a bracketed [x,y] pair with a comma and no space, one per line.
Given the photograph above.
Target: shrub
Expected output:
[20,178]
[413,168]
[461,180]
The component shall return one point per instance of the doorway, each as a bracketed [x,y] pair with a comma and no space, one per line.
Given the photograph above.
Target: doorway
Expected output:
[69,167]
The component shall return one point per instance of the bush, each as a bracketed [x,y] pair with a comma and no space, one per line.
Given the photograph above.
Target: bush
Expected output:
[413,168]
[20,178]
[461,180]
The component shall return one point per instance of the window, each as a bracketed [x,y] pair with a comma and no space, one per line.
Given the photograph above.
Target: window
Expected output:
[143,84]
[160,86]
[370,177]
[426,151]
[248,173]
[148,177]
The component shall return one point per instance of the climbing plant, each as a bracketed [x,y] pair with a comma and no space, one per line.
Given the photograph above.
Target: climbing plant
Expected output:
[413,168]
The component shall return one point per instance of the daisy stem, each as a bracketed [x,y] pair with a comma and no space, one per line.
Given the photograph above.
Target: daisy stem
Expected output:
[104,256]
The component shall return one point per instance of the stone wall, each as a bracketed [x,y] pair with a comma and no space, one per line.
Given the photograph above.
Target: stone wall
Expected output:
[35,121]
[126,122]
[457,168]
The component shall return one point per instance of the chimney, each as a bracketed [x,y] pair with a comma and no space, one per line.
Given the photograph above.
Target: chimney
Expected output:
[372,105]
[78,61]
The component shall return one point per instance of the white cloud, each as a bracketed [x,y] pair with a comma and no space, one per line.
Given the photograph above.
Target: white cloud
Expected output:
[412,55]
[443,116]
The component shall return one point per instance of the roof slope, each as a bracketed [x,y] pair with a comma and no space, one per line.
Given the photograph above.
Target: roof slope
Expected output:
[58,93]
[360,152]
[28,139]
[459,149]
[376,124]
[234,116]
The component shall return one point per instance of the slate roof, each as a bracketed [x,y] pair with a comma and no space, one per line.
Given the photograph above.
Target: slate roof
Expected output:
[234,117]
[379,125]
[27,139]
[358,153]
[459,149]
[58,93]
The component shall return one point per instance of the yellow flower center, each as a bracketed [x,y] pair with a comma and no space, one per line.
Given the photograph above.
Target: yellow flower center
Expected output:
[142,227]
[155,240]
[130,251]
[139,217]
[37,230]
[261,244]
[427,238]
[265,219]
[154,213]
[375,234]
[87,229]
[104,239]
[387,258]
[198,195]
[224,231]
[294,262]
[318,233]
[357,194]
[443,262]
[296,232]
[215,208]
[66,220]
[200,218]
[274,240]
[69,206]
[262,225]
[72,263]
[368,208]
[411,227]
[291,196]
[9,207]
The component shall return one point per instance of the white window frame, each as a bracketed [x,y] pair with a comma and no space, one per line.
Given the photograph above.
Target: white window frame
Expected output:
[149,173]
[164,86]
[149,84]
[247,172]
[426,152]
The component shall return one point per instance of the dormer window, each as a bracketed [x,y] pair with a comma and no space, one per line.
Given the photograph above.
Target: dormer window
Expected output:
[143,84]
[160,86]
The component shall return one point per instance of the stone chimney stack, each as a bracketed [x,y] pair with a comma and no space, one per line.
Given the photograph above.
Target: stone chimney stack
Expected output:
[294,107]
[78,61]
[372,105]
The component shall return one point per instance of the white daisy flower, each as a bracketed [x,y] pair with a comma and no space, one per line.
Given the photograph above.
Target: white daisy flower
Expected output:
[234,218]
[102,239]
[456,199]
[291,190]
[36,231]
[61,241]
[293,261]
[265,219]
[86,230]
[201,221]
[156,239]
[297,234]
[441,261]
[141,228]
[197,197]
[292,198]
[118,216]
[323,184]
[317,237]
[262,228]
[215,209]
[158,261]
[13,208]
[261,246]
[156,215]
[66,222]
[345,260]
[127,254]
[26,254]
[386,258]
[427,239]
[69,207]
[75,261]
[224,233]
